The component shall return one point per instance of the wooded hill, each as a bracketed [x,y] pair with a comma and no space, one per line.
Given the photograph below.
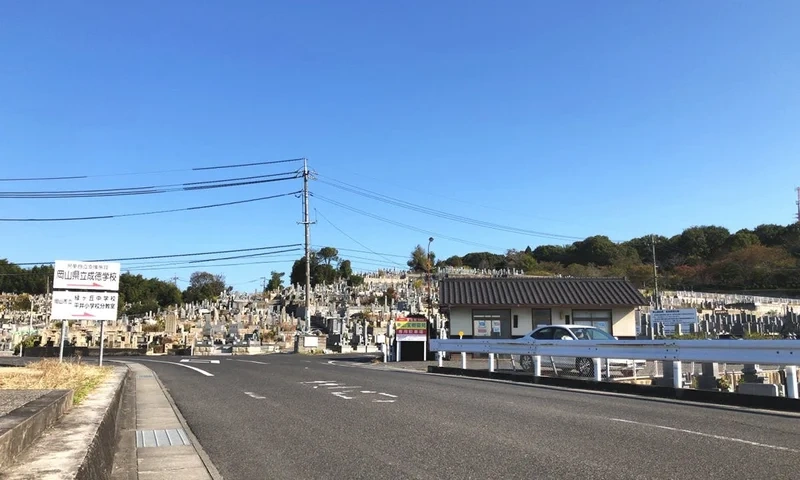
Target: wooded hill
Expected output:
[700,258]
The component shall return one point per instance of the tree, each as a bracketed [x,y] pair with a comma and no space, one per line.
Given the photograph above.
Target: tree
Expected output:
[520,261]
[742,239]
[550,253]
[482,260]
[275,281]
[22,302]
[345,269]
[328,255]
[454,261]
[420,260]
[599,250]
[204,286]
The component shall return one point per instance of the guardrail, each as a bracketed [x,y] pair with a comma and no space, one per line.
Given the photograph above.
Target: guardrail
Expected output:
[775,352]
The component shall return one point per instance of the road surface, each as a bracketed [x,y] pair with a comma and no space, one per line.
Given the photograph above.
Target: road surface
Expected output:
[300,417]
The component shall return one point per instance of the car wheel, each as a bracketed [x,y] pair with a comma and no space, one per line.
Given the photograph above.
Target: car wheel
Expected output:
[585,367]
[526,362]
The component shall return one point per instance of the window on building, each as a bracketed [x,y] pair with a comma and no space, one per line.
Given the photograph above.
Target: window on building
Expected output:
[593,318]
[516,321]
[541,316]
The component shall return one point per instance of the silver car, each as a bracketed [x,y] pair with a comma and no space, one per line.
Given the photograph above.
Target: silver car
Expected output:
[584,365]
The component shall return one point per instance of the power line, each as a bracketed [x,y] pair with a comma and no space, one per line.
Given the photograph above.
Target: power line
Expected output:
[353,239]
[153,189]
[364,251]
[176,255]
[156,212]
[403,225]
[440,214]
[192,169]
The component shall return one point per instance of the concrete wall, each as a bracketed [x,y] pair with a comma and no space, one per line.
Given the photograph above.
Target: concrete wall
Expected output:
[623,320]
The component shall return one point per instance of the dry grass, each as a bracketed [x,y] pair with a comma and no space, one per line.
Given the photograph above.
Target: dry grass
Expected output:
[51,375]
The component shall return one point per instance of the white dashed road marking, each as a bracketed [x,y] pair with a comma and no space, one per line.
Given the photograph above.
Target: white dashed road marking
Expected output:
[253,395]
[388,395]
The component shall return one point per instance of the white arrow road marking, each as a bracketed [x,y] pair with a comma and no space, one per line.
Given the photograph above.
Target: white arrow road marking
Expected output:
[341,395]
[388,395]
[253,395]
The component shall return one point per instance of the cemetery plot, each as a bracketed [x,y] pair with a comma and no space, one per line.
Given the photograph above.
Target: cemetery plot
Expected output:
[350,392]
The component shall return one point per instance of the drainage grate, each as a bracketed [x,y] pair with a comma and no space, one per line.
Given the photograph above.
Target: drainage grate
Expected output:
[174,437]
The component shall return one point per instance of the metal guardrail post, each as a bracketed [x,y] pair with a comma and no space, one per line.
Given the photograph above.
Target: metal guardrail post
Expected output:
[491,362]
[677,374]
[791,381]
[441,359]
[537,365]
[463,360]
[598,370]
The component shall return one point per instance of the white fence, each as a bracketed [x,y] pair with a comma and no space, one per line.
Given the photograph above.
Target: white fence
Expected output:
[773,352]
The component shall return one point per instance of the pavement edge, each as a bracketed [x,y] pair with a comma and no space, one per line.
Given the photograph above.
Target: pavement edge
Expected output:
[212,470]
[22,427]
[782,404]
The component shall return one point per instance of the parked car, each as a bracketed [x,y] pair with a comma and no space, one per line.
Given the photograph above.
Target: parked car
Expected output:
[584,365]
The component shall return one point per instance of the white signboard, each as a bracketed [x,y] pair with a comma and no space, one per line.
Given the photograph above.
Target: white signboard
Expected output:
[84,305]
[670,318]
[75,275]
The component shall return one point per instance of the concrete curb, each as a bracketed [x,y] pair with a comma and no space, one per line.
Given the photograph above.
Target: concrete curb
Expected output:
[782,404]
[212,470]
[20,428]
[82,445]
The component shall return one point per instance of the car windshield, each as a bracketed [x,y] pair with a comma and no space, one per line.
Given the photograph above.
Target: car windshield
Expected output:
[591,334]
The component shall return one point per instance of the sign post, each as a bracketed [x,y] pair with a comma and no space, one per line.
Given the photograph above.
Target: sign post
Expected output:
[102,338]
[85,290]
[64,327]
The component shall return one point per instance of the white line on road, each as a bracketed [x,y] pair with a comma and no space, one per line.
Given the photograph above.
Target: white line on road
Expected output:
[383,401]
[708,435]
[388,395]
[368,391]
[344,386]
[252,361]
[253,395]
[341,395]
[192,360]
[207,374]
[318,381]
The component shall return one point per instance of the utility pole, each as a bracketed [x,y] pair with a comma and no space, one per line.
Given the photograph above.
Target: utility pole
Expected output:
[655,271]
[307,224]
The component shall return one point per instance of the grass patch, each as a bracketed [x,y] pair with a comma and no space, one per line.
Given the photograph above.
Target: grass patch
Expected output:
[51,375]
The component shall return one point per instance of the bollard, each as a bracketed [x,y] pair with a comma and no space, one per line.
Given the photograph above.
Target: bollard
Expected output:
[441,359]
[598,369]
[677,375]
[537,365]
[463,360]
[491,362]
[791,381]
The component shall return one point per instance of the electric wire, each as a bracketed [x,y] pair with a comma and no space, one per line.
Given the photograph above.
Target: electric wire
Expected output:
[157,172]
[440,214]
[353,239]
[403,225]
[155,212]
[152,189]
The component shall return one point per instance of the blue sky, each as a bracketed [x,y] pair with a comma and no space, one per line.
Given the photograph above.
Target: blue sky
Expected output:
[572,118]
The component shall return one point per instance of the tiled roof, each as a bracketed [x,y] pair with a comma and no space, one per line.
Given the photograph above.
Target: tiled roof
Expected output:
[535,291]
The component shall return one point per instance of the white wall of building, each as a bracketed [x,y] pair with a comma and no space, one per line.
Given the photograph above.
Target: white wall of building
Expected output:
[623,320]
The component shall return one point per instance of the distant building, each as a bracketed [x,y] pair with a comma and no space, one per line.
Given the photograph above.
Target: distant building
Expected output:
[511,307]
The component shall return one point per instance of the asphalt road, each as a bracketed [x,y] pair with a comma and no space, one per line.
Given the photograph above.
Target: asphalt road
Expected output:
[298,417]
